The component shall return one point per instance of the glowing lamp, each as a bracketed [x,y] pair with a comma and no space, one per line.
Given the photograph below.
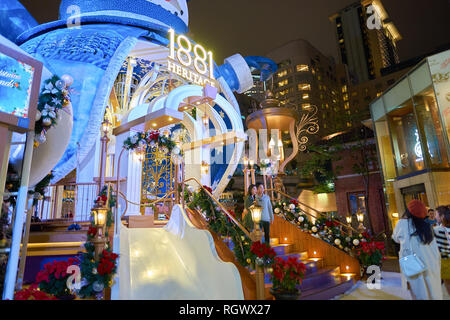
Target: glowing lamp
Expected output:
[256,212]
[204,168]
[140,154]
[271,143]
[252,163]
[205,120]
[349,219]
[106,126]
[395,215]
[245,162]
[100,213]
[360,216]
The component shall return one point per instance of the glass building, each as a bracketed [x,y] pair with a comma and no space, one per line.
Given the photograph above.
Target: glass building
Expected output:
[412,125]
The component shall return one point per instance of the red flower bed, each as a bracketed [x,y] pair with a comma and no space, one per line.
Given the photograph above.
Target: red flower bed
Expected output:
[52,279]
[33,293]
[370,252]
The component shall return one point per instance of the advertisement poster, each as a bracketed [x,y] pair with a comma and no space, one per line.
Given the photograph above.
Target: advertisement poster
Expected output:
[16,79]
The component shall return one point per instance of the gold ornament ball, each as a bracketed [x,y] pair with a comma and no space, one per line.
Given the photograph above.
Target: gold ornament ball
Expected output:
[47,122]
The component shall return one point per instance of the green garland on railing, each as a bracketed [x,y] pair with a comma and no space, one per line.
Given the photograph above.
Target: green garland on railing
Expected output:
[323,228]
[222,225]
[97,275]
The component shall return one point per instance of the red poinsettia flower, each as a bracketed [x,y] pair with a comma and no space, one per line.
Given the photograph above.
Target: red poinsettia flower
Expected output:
[92,231]
[154,135]
[208,188]
[295,202]
[102,198]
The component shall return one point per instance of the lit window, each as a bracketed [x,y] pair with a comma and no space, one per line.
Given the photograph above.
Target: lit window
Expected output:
[344,89]
[305,96]
[349,124]
[341,41]
[345,97]
[347,106]
[324,125]
[379,94]
[282,73]
[304,86]
[302,68]
[283,83]
[306,106]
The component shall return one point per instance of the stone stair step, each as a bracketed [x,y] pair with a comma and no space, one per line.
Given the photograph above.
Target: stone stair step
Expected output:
[319,278]
[282,249]
[328,291]
[274,241]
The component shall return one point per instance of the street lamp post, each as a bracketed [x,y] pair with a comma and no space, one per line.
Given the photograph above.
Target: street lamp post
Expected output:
[106,126]
[245,176]
[349,222]
[100,212]
[252,171]
[360,217]
[256,234]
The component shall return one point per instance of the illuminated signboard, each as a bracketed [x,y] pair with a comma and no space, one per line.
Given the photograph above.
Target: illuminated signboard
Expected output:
[190,61]
[20,76]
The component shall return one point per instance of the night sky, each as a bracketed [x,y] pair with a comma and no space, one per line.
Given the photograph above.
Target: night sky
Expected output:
[254,27]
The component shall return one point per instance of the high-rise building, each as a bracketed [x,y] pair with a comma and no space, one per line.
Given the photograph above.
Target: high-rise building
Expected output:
[367,39]
[306,78]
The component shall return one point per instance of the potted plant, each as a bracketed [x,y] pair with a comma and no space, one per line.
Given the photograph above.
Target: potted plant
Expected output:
[369,253]
[53,279]
[286,277]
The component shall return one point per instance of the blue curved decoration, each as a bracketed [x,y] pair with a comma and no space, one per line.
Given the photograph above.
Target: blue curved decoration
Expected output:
[14,19]
[265,65]
[229,75]
[93,56]
[118,9]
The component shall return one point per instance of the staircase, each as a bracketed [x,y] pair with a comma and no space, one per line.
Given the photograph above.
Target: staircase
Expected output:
[319,283]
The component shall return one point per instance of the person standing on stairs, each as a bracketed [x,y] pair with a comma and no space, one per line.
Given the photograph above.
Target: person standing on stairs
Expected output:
[267,212]
[416,235]
[249,200]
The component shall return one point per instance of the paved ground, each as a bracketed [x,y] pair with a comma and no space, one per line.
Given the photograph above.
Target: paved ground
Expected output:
[391,289]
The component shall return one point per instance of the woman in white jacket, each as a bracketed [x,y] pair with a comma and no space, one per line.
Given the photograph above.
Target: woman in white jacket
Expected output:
[412,232]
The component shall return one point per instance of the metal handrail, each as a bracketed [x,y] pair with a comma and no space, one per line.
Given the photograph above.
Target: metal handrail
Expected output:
[317,211]
[243,229]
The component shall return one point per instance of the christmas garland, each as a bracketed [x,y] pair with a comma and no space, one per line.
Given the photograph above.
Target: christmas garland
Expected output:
[54,97]
[152,139]
[97,275]
[323,228]
[221,224]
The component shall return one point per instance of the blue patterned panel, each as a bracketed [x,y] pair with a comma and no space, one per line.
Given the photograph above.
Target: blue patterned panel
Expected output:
[157,176]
